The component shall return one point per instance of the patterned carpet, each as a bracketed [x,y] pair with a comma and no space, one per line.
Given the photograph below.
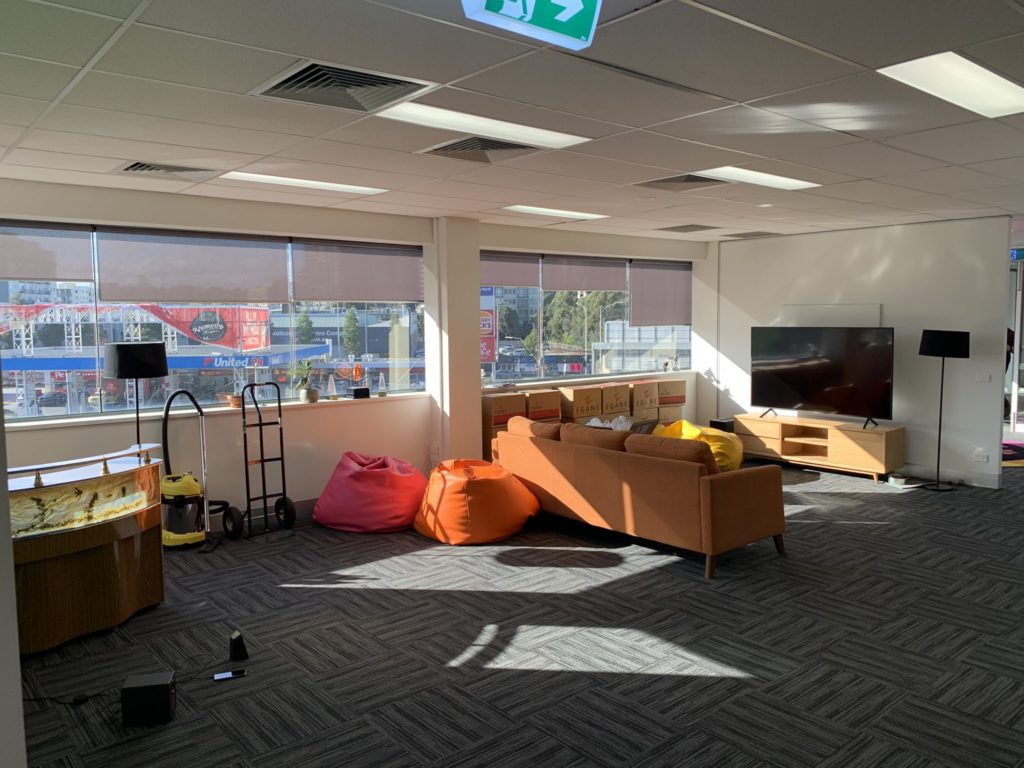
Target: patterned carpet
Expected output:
[891,635]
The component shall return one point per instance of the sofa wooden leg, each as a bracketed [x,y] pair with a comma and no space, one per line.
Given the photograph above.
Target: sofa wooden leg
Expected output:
[709,567]
[779,546]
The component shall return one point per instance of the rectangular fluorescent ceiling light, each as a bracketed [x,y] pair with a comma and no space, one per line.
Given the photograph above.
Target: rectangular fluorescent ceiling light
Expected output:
[745,175]
[552,212]
[349,189]
[953,78]
[436,117]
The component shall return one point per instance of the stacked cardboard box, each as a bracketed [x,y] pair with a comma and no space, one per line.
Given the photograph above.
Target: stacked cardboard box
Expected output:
[544,405]
[614,400]
[581,404]
[671,397]
[643,400]
[497,410]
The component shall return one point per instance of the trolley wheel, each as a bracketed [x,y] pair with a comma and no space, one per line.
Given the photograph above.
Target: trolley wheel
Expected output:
[233,522]
[284,508]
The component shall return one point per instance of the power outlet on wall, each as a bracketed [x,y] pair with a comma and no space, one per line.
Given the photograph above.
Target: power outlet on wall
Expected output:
[435,453]
[980,456]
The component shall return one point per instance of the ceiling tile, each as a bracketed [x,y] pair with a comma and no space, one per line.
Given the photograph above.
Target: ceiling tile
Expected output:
[50,33]
[1002,196]
[515,178]
[573,203]
[580,166]
[357,156]
[129,94]
[753,130]
[145,151]
[33,79]
[865,160]
[177,58]
[815,175]
[937,204]
[10,133]
[353,33]
[541,79]
[392,134]
[696,49]
[268,195]
[18,111]
[330,195]
[423,200]
[946,180]
[861,191]
[90,179]
[867,105]
[663,151]
[516,112]
[63,161]
[969,143]
[119,8]
[877,33]
[101,122]
[1005,56]
[1009,168]
[751,195]
[370,205]
[340,174]
[447,188]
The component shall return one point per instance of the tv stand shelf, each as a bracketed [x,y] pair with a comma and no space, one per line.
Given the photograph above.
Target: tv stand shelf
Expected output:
[825,443]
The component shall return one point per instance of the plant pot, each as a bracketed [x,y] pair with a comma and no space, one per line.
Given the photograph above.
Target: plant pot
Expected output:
[235,401]
[309,395]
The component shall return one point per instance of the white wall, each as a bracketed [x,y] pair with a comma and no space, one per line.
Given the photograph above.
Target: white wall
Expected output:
[12,731]
[945,275]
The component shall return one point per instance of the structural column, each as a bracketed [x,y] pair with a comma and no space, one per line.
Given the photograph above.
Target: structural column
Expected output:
[705,358]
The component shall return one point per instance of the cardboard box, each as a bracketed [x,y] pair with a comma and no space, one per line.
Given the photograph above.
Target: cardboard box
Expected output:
[499,408]
[490,434]
[578,402]
[645,414]
[670,414]
[614,399]
[543,404]
[584,420]
[671,392]
[643,395]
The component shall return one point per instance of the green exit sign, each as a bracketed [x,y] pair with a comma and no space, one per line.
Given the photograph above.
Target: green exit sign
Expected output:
[566,23]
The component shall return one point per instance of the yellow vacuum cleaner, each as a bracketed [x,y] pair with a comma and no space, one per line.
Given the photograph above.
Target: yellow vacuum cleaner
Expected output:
[186,510]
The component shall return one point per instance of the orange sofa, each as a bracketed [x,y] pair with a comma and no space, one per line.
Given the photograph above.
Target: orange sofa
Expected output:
[654,488]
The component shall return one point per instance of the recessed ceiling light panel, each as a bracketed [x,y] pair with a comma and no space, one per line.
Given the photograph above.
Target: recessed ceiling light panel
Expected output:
[747,176]
[552,212]
[953,78]
[447,119]
[259,178]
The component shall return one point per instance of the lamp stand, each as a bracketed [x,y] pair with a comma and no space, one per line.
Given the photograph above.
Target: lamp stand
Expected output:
[138,431]
[937,486]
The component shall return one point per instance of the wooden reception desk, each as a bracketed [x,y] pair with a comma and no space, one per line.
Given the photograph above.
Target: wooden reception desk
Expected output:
[87,545]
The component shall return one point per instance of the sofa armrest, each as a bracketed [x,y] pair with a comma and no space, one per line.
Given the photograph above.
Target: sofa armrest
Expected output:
[739,507]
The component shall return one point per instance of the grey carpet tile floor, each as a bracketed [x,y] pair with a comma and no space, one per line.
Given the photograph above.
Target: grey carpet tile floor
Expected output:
[891,635]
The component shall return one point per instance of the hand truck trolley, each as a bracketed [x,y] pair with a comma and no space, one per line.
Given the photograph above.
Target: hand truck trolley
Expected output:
[284,508]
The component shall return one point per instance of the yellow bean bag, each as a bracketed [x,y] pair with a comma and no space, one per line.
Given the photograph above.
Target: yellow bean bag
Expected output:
[726,447]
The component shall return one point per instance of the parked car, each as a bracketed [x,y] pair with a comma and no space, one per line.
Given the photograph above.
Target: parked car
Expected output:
[53,399]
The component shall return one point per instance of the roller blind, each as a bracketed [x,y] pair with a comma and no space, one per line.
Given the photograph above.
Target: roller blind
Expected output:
[357,272]
[564,274]
[509,269]
[40,253]
[660,293]
[142,266]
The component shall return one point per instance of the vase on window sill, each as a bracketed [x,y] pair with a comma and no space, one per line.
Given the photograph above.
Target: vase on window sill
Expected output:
[308,395]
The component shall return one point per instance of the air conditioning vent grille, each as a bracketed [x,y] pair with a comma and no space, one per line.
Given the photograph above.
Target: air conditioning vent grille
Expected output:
[681,183]
[343,88]
[745,235]
[478,149]
[687,228]
[179,172]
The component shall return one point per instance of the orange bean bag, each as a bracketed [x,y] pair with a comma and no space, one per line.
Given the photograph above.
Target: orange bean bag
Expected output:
[473,502]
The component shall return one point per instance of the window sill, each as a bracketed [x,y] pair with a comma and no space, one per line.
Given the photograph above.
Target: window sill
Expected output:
[583,380]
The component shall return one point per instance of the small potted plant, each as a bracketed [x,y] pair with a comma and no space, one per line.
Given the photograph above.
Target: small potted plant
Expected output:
[303,372]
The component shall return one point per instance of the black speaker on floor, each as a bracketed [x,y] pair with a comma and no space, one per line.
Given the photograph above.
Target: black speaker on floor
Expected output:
[360,393]
[238,649]
[726,425]
[148,699]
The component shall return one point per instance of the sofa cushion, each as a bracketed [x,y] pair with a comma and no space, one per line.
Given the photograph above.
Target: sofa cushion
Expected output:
[726,447]
[520,425]
[597,438]
[673,448]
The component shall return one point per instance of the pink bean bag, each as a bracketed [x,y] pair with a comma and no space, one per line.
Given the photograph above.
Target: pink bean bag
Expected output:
[370,494]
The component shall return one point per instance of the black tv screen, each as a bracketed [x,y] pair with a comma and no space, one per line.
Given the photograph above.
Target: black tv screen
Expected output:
[830,370]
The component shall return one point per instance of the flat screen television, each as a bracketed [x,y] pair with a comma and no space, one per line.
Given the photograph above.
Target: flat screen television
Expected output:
[829,370]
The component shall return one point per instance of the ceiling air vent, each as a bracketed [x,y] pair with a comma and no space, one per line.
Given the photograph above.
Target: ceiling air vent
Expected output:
[681,183]
[687,228]
[745,235]
[344,88]
[179,172]
[480,150]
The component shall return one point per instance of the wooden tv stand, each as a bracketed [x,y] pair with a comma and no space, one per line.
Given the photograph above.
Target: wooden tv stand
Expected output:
[826,443]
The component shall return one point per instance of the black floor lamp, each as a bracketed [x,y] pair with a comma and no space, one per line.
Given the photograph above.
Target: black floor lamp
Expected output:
[135,360]
[943,344]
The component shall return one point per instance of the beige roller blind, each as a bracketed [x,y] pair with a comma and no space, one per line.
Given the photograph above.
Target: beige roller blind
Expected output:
[145,266]
[356,272]
[509,269]
[43,253]
[660,293]
[567,274]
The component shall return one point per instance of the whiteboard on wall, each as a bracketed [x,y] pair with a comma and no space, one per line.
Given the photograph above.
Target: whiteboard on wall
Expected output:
[832,315]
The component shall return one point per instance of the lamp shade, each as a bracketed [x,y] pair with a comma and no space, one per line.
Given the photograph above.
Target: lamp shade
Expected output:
[945,344]
[135,360]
